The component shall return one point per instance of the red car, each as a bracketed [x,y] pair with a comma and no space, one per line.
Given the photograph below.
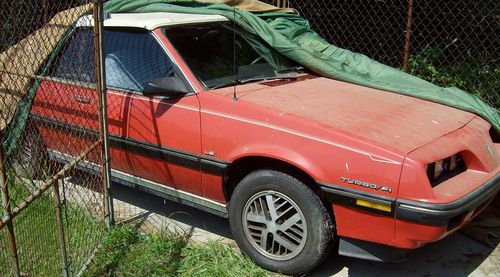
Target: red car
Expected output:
[300,164]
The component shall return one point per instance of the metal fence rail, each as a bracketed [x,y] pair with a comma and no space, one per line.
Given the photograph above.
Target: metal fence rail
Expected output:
[53,212]
[450,43]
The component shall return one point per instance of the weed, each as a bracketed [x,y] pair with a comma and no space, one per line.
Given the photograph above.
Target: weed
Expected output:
[128,253]
[216,259]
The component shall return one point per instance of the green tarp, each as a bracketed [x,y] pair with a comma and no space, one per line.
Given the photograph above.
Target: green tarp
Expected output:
[292,36]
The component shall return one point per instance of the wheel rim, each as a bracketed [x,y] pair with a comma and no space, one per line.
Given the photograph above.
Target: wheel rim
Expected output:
[274,225]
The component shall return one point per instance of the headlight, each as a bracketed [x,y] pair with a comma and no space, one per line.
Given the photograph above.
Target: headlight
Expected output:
[445,169]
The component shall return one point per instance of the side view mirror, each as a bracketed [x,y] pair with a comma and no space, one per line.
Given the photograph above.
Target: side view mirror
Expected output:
[169,86]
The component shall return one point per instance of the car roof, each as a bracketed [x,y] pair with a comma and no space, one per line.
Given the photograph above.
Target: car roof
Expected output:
[150,21]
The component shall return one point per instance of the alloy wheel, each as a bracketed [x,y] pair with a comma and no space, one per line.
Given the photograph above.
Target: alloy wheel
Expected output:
[274,225]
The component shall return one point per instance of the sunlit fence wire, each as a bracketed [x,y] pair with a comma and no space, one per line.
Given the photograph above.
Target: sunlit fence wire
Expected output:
[451,43]
[53,196]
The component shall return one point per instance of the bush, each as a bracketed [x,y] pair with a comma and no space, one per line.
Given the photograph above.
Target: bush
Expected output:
[474,76]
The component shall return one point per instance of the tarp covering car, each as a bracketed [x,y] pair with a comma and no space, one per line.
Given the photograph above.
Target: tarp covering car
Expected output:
[282,29]
[292,36]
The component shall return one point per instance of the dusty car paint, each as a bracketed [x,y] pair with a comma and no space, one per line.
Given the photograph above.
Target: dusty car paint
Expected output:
[328,129]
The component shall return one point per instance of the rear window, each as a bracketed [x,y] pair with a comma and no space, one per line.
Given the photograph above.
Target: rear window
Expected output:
[77,53]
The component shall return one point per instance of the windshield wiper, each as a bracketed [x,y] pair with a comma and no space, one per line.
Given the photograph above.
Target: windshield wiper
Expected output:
[250,80]
[291,69]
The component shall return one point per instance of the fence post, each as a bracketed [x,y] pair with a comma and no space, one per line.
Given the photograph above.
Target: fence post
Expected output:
[45,12]
[409,22]
[9,224]
[98,17]
[60,229]
[282,4]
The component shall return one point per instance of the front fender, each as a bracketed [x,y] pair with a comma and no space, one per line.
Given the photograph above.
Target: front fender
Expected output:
[290,156]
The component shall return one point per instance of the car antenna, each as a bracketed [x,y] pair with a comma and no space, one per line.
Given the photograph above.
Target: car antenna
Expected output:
[234,52]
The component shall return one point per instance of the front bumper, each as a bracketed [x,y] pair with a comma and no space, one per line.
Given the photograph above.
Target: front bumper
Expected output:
[448,213]
[416,222]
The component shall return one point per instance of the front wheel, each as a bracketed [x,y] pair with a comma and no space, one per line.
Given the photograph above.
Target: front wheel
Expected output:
[280,223]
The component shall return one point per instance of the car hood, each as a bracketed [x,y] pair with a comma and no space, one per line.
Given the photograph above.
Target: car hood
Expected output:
[387,119]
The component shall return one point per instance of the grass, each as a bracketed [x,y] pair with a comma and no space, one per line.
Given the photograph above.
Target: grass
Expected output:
[37,241]
[216,259]
[126,252]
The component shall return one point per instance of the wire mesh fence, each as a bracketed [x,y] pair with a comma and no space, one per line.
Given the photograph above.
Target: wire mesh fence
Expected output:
[53,195]
[450,43]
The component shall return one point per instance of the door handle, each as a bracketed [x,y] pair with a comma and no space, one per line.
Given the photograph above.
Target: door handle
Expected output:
[82,99]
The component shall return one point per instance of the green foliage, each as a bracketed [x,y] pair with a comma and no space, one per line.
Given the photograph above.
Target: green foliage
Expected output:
[479,77]
[113,249]
[154,255]
[40,246]
[216,259]
[128,253]
[36,237]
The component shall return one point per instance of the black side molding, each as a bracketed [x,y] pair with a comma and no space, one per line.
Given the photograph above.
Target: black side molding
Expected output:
[348,196]
[170,155]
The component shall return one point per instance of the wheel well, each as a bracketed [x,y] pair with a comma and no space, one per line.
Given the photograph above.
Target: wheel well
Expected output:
[243,166]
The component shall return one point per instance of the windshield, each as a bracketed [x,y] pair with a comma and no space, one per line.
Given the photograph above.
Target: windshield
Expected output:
[209,50]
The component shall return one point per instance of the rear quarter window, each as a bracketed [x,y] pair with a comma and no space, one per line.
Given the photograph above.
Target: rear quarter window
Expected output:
[132,58]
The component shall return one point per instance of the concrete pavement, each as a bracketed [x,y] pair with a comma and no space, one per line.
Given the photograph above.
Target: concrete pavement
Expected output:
[456,255]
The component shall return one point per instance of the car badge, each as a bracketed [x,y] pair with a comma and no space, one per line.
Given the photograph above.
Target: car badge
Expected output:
[366,185]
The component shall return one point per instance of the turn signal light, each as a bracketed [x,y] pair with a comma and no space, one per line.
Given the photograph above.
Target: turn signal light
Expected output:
[372,205]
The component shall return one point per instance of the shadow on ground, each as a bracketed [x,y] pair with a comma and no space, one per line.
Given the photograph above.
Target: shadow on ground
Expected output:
[456,255]
[183,214]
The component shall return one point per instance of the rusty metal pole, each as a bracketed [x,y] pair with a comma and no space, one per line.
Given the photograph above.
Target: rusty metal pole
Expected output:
[98,17]
[45,12]
[282,4]
[409,23]
[6,205]
[60,229]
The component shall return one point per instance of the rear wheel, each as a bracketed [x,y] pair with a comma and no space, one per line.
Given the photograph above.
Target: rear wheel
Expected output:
[31,159]
[280,223]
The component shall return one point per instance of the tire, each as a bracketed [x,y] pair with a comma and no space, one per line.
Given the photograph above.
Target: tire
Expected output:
[31,159]
[298,234]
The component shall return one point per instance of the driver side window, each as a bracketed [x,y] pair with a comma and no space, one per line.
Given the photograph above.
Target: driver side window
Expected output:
[133,58]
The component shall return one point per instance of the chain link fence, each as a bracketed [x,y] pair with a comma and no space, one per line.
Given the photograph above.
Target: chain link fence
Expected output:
[53,195]
[449,43]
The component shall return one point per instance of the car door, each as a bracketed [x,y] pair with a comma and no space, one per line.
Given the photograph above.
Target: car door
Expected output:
[153,139]
[161,134]
[65,107]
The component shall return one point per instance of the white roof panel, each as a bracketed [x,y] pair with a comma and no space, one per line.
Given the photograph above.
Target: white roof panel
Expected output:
[151,21]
